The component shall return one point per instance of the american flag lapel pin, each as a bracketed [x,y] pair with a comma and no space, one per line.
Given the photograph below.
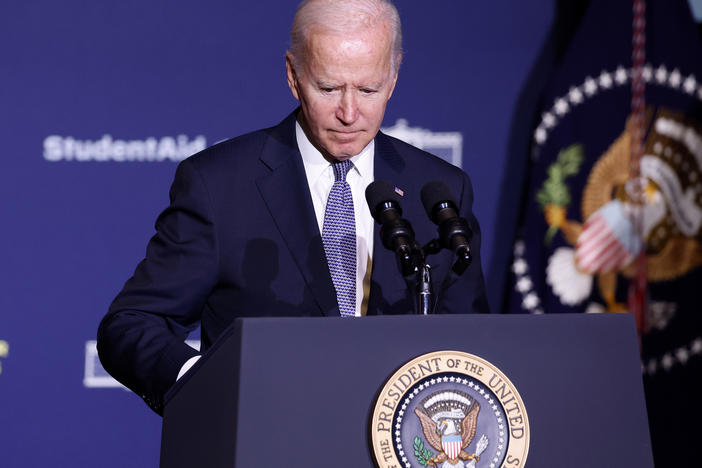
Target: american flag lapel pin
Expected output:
[399,191]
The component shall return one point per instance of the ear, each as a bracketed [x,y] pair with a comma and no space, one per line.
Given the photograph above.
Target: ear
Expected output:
[292,76]
[394,79]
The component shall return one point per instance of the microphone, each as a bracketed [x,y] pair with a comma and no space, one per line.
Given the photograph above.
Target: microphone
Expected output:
[454,232]
[396,232]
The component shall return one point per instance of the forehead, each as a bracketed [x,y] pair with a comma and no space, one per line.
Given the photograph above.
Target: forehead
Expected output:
[365,54]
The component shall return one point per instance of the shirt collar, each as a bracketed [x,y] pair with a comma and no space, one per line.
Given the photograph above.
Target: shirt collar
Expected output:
[315,164]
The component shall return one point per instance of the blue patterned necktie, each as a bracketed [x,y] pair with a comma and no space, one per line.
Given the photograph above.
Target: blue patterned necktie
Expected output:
[339,238]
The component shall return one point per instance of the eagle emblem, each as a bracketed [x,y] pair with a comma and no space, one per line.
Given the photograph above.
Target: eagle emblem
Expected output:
[449,420]
[603,247]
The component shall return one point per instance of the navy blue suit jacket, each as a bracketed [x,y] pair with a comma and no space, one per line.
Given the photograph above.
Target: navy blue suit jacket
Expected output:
[240,239]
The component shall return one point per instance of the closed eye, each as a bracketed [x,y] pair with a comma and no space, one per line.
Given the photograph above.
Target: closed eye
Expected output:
[327,87]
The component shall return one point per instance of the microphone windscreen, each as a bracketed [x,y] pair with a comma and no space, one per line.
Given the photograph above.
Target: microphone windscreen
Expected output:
[379,192]
[435,192]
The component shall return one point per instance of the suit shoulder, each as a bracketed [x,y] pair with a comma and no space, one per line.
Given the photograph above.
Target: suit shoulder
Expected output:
[419,158]
[232,152]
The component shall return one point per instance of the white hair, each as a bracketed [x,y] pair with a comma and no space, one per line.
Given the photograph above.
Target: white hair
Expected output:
[341,17]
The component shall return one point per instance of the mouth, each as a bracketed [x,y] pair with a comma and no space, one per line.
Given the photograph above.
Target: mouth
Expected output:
[345,135]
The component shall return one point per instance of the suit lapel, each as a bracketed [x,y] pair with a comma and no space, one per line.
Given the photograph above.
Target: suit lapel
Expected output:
[385,277]
[389,293]
[286,194]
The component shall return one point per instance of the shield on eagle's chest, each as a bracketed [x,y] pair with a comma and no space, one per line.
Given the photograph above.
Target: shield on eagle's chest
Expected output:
[608,241]
[451,445]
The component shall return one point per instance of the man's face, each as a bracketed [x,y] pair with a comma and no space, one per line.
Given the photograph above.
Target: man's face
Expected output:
[343,85]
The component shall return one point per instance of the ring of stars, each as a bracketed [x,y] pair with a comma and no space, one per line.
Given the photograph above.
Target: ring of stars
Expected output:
[607,80]
[485,394]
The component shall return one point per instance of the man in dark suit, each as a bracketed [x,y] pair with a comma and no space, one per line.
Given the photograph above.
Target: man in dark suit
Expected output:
[250,231]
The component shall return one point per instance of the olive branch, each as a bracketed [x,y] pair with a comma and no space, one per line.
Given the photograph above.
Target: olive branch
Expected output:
[423,455]
[554,196]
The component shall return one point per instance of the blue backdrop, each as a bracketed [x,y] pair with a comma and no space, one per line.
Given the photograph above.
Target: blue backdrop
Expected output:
[98,100]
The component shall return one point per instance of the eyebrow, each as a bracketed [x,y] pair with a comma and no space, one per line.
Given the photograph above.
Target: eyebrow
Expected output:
[326,84]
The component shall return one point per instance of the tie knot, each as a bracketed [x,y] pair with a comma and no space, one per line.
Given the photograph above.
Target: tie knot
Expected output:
[341,168]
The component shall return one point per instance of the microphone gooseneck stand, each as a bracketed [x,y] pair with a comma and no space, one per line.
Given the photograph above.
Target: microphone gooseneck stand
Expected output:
[425,298]
[397,235]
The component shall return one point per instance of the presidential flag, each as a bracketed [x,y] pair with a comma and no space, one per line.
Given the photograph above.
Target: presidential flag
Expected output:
[587,214]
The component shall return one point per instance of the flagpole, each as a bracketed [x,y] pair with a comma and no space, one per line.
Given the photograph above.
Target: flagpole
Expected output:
[638,286]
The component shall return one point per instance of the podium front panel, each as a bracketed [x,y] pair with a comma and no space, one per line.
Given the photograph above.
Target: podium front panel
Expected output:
[300,391]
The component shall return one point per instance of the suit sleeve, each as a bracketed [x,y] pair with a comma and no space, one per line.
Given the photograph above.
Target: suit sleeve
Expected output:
[467,294]
[141,339]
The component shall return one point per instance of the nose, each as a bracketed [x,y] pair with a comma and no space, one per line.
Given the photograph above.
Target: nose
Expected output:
[347,111]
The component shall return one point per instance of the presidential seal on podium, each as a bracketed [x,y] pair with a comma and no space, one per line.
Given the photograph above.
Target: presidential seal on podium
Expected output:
[449,409]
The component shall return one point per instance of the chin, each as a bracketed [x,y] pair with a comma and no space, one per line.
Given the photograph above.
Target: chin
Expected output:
[347,150]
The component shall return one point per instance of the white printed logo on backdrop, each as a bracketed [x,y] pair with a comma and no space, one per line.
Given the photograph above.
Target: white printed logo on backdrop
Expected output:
[151,149]
[446,145]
